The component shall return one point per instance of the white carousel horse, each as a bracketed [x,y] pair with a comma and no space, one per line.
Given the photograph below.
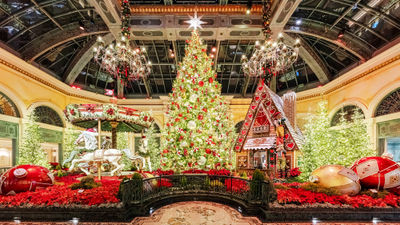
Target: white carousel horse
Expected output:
[90,144]
[89,138]
[111,156]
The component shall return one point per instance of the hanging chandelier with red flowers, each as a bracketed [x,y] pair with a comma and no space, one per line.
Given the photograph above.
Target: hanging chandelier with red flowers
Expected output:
[272,56]
[121,60]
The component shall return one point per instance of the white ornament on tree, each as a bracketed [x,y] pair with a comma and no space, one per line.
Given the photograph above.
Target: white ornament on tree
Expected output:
[202,160]
[191,125]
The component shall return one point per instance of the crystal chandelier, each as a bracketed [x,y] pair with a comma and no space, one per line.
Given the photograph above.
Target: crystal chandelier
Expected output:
[120,59]
[271,57]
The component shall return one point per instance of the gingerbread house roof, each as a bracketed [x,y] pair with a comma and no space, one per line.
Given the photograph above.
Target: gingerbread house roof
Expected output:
[267,101]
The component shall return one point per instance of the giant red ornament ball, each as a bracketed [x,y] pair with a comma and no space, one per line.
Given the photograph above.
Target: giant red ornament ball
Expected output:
[377,172]
[25,178]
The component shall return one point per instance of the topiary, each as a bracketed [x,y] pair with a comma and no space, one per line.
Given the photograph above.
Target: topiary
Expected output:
[256,185]
[85,183]
[258,175]
[136,176]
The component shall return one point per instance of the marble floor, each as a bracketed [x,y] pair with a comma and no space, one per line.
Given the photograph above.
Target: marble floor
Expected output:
[196,213]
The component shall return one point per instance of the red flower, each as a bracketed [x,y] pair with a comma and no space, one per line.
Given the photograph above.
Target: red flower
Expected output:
[295,172]
[110,111]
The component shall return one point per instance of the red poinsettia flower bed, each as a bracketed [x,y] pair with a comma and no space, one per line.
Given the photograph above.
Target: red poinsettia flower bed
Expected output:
[296,195]
[61,194]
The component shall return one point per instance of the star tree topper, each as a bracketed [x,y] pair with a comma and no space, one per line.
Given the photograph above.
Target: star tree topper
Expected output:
[195,21]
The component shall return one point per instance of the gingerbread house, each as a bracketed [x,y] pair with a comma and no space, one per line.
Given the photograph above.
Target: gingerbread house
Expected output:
[257,144]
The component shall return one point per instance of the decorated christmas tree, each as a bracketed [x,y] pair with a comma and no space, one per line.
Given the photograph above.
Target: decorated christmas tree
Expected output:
[199,130]
[340,145]
[122,143]
[70,136]
[31,151]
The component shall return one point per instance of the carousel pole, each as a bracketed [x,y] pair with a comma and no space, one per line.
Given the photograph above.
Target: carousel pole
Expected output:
[98,147]
[98,134]
[114,125]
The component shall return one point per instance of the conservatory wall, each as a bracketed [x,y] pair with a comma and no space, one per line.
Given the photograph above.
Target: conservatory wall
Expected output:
[28,87]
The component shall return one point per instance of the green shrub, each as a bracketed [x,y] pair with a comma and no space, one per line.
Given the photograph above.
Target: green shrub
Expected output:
[85,183]
[61,173]
[258,175]
[256,185]
[136,176]
[321,189]
[375,194]
[281,187]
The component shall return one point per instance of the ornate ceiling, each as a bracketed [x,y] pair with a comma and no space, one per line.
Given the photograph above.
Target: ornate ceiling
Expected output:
[336,35]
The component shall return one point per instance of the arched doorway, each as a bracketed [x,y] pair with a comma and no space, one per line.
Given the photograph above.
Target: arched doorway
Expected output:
[8,132]
[388,130]
[52,139]
[347,112]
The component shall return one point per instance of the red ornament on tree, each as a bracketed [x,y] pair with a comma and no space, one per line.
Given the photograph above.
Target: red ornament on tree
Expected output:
[201,83]
[210,80]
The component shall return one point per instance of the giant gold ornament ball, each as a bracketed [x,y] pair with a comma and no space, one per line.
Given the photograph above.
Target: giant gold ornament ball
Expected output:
[342,179]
